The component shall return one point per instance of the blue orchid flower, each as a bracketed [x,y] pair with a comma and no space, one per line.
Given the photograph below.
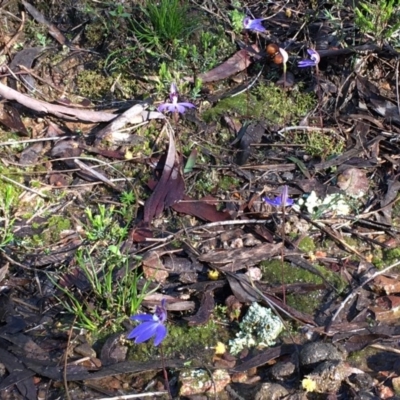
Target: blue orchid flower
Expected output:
[254,24]
[152,325]
[312,62]
[280,201]
[174,106]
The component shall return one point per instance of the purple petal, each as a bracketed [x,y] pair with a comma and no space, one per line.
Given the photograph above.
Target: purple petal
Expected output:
[276,202]
[143,332]
[314,55]
[285,195]
[180,108]
[187,105]
[289,202]
[162,107]
[306,63]
[173,90]
[246,22]
[161,333]
[142,317]
[169,107]
[253,24]
[161,312]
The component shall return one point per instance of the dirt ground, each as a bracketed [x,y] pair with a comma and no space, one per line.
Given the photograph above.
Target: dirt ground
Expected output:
[230,169]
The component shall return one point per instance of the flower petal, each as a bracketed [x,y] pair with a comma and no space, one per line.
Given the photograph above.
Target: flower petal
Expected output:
[173,89]
[253,24]
[276,202]
[306,63]
[284,54]
[187,105]
[169,107]
[289,202]
[142,317]
[314,55]
[180,108]
[162,107]
[161,333]
[161,311]
[246,23]
[143,332]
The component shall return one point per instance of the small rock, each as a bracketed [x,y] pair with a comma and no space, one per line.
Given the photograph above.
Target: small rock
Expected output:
[271,391]
[283,370]
[199,381]
[85,350]
[239,377]
[327,377]
[385,392]
[353,182]
[363,395]
[362,381]
[2,370]
[313,353]
[396,385]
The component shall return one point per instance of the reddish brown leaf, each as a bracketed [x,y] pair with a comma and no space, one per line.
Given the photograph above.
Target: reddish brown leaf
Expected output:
[385,284]
[203,209]
[140,233]
[387,308]
[10,117]
[266,356]
[170,188]
[58,180]
[204,313]
[233,65]
[153,267]
[242,257]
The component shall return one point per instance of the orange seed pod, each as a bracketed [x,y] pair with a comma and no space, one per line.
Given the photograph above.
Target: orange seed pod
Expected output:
[272,49]
[278,59]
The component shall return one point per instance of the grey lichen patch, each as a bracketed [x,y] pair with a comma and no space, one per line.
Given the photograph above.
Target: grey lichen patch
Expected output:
[259,328]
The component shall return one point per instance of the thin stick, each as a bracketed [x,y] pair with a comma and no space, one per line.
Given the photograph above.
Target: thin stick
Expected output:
[304,128]
[283,233]
[132,396]
[320,95]
[23,187]
[165,373]
[397,86]
[65,380]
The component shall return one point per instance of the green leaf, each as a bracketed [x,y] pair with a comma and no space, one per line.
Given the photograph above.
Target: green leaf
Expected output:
[190,163]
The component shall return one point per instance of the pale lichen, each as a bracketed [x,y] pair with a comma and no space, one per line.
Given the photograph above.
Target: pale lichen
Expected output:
[259,328]
[332,203]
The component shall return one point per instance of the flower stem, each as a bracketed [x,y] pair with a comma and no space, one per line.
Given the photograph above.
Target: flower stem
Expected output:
[319,95]
[165,373]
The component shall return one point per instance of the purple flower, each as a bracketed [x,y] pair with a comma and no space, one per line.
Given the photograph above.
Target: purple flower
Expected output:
[281,201]
[174,106]
[312,62]
[254,24]
[153,325]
